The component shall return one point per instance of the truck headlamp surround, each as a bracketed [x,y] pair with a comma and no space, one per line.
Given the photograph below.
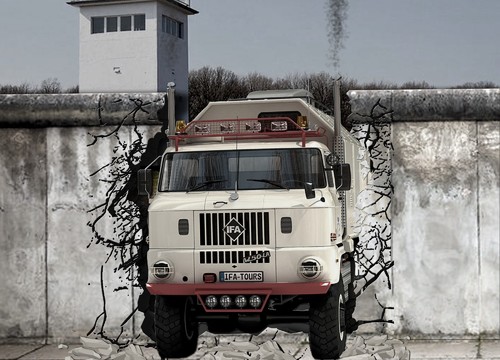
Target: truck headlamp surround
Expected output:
[211,301]
[255,301]
[162,270]
[310,268]
[240,301]
[225,301]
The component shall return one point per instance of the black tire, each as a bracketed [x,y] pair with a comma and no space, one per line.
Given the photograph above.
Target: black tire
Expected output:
[327,330]
[176,331]
[350,305]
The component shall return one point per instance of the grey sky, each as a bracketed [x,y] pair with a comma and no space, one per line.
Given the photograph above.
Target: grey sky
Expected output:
[444,42]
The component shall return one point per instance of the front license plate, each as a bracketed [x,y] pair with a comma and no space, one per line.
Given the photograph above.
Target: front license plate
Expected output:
[241,276]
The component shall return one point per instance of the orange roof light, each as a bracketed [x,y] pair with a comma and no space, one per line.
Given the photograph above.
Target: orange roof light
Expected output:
[180,127]
[302,122]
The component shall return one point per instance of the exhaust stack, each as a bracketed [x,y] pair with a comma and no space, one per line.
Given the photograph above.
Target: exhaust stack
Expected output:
[336,109]
[171,108]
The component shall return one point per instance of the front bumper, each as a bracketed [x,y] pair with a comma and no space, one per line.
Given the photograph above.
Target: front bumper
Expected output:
[265,290]
[299,288]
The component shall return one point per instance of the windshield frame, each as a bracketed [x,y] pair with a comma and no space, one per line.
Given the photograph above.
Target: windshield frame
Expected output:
[283,160]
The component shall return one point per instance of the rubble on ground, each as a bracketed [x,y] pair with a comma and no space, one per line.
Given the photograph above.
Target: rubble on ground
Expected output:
[271,344]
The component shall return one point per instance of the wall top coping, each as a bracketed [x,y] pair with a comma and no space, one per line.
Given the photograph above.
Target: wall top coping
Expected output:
[425,105]
[61,110]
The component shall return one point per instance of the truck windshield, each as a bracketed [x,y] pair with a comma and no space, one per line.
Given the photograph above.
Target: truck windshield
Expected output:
[252,169]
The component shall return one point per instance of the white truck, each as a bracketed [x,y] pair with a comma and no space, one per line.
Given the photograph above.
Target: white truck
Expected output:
[251,222]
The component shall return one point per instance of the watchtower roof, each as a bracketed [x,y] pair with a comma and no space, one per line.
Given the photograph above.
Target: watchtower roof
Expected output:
[181,5]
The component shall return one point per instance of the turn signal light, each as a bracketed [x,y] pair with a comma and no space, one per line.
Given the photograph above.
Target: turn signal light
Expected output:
[302,121]
[209,278]
[180,127]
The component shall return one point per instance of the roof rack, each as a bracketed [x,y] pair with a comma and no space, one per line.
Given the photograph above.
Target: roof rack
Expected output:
[252,128]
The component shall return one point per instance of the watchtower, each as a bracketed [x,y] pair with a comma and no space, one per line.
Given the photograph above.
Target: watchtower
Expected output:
[134,45]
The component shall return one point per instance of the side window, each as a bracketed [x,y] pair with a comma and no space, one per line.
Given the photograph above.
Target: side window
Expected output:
[139,22]
[97,25]
[112,24]
[318,170]
[125,23]
[181,31]
[172,27]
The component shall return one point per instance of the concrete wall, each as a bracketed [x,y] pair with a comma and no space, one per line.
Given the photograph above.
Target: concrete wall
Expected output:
[50,276]
[445,213]
[444,219]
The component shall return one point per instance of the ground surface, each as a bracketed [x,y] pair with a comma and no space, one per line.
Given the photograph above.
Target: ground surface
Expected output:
[271,344]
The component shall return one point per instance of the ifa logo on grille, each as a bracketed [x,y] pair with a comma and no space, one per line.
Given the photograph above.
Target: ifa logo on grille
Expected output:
[234,229]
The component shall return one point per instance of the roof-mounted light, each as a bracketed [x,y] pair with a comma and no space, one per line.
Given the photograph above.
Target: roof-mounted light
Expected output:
[201,129]
[253,127]
[302,122]
[227,128]
[180,127]
[279,126]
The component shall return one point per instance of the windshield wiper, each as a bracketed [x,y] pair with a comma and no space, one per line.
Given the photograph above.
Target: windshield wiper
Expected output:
[271,182]
[204,183]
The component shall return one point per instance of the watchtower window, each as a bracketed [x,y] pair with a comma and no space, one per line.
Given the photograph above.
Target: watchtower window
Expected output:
[139,22]
[125,23]
[172,27]
[97,25]
[102,24]
[112,24]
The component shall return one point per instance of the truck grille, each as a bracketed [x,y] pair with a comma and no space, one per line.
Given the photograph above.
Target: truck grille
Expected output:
[238,228]
[234,257]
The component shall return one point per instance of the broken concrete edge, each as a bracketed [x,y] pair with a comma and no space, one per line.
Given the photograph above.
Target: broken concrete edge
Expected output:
[83,110]
[424,105]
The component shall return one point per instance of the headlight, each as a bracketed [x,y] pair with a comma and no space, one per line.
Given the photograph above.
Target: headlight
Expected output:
[310,268]
[162,270]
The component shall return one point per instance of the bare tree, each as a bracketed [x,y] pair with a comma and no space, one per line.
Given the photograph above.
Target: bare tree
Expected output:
[477,85]
[209,84]
[73,90]
[255,81]
[50,86]
[23,88]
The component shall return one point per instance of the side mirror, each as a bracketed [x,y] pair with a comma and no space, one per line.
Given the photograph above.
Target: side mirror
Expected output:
[342,173]
[145,182]
[308,188]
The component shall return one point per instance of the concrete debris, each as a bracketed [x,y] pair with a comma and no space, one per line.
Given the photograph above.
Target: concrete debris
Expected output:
[265,346]
[98,349]
[376,340]
[62,346]
[93,344]
[81,353]
[245,346]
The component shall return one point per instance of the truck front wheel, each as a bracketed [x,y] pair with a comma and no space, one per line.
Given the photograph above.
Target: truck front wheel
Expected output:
[176,330]
[327,328]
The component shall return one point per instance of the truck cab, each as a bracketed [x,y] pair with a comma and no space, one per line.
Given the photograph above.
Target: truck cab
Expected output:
[252,223]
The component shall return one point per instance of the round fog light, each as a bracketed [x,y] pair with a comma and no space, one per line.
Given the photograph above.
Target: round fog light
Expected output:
[240,301]
[225,301]
[255,301]
[211,301]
